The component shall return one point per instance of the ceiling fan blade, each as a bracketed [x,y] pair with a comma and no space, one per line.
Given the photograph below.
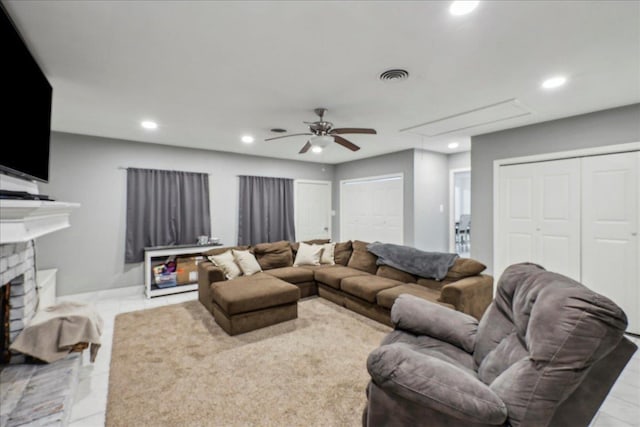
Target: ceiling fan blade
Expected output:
[338,131]
[305,148]
[347,144]
[287,136]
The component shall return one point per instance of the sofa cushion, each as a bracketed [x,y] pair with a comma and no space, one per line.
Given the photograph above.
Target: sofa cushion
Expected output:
[367,287]
[327,256]
[253,293]
[395,274]
[274,255]
[247,262]
[362,259]
[464,267]
[308,255]
[296,245]
[387,297]
[227,263]
[315,267]
[436,285]
[332,276]
[342,252]
[292,274]
[218,251]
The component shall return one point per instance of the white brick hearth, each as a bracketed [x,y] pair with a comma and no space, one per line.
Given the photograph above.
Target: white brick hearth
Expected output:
[17,267]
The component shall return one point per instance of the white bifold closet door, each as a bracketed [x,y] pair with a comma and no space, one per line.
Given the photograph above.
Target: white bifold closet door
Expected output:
[610,253]
[578,217]
[372,209]
[539,215]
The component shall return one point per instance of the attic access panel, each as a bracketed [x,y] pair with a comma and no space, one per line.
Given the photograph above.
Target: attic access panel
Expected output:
[488,114]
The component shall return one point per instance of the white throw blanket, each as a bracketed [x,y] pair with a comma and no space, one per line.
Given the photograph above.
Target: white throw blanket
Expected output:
[55,330]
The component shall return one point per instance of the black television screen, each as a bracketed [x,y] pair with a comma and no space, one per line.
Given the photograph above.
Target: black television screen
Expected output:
[25,97]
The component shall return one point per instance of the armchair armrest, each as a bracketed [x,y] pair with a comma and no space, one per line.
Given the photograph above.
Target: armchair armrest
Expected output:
[422,317]
[435,384]
[471,295]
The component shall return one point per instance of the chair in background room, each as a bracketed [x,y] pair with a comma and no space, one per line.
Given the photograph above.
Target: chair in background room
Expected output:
[463,233]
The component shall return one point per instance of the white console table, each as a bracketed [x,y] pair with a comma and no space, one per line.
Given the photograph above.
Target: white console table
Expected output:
[156,252]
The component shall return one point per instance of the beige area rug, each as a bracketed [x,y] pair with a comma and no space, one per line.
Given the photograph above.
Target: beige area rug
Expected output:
[174,366]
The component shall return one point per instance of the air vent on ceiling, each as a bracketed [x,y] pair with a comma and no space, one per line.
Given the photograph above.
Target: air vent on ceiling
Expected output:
[394,75]
[485,115]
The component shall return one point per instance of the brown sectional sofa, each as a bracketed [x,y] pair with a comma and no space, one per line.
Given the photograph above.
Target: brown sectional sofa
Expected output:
[355,281]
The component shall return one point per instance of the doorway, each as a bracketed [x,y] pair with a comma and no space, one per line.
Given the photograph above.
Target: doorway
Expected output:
[312,202]
[460,212]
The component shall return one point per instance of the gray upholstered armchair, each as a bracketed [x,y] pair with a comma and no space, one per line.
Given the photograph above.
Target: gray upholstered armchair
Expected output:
[546,352]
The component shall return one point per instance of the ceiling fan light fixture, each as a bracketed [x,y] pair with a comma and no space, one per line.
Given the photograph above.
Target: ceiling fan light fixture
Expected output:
[321,141]
[316,149]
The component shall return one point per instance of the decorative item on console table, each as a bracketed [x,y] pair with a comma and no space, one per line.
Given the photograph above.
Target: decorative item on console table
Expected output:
[183,278]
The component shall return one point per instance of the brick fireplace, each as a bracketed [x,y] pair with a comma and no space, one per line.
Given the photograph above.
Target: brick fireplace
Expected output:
[18,294]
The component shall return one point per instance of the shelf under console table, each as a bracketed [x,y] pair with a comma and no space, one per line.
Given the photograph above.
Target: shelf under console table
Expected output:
[152,256]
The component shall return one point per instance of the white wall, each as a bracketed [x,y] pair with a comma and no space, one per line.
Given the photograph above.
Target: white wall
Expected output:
[607,127]
[460,160]
[85,169]
[431,201]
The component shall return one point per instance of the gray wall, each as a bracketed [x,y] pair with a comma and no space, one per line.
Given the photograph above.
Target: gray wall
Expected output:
[431,194]
[607,127]
[401,161]
[90,254]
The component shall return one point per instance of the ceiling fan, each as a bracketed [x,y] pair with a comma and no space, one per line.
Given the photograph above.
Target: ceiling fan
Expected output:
[323,133]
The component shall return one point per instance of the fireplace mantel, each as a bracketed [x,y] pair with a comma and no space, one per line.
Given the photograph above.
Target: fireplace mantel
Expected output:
[24,220]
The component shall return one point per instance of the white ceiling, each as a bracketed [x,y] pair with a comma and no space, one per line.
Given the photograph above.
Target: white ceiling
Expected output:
[209,72]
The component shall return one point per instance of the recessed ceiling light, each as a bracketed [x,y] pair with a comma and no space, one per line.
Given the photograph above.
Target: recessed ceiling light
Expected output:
[247,139]
[554,82]
[453,145]
[316,149]
[148,124]
[462,7]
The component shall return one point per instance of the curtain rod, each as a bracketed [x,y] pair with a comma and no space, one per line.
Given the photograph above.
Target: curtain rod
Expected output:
[165,170]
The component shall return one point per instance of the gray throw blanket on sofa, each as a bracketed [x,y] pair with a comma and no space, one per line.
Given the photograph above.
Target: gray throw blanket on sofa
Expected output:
[424,264]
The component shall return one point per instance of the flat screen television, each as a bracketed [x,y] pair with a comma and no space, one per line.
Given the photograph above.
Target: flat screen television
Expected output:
[25,107]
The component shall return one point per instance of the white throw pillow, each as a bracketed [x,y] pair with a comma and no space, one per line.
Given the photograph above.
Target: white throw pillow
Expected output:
[308,255]
[247,262]
[227,263]
[327,254]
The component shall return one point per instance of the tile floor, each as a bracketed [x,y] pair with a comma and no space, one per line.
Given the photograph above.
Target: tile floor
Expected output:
[621,409]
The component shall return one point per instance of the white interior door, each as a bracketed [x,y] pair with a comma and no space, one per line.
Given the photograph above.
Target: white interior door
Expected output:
[372,209]
[516,216]
[539,216]
[557,188]
[610,230]
[312,209]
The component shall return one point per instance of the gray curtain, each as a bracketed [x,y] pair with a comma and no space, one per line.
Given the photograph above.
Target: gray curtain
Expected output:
[165,208]
[266,210]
